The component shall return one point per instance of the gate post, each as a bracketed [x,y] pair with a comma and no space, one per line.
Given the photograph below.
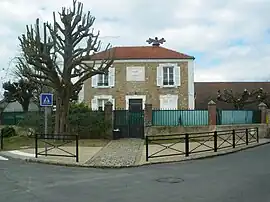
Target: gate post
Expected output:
[263,108]
[108,116]
[147,118]
[212,113]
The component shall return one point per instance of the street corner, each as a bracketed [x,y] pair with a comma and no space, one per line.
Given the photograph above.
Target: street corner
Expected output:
[2,158]
[17,154]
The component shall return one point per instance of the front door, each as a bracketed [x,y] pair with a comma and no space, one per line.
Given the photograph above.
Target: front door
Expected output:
[136,118]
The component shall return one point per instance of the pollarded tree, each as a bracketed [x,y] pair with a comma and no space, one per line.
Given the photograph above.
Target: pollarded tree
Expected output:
[70,40]
[240,100]
[21,68]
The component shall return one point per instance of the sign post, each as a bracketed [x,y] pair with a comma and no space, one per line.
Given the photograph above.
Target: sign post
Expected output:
[46,101]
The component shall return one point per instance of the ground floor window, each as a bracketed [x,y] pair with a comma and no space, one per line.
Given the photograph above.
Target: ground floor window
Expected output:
[101,103]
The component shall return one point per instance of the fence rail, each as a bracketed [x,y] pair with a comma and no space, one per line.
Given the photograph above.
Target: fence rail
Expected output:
[57,141]
[1,141]
[192,143]
[160,117]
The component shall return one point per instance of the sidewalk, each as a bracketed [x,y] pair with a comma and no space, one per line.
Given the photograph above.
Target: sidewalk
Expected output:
[85,153]
[194,147]
[123,153]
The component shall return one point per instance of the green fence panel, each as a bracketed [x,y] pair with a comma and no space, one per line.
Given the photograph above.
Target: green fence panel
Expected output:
[179,117]
[230,117]
[11,118]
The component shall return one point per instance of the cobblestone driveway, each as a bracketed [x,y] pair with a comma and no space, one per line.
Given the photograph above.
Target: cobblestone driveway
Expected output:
[123,152]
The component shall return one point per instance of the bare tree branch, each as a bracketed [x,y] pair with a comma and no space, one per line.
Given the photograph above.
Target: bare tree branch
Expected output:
[240,100]
[102,68]
[71,41]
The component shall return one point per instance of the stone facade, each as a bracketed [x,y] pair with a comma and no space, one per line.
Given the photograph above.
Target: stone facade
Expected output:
[148,87]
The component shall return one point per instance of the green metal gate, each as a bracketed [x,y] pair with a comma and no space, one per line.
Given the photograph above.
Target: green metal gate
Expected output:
[131,124]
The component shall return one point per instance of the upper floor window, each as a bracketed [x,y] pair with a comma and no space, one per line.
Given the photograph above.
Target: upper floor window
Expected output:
[106,80]
[103,79]
[168,75]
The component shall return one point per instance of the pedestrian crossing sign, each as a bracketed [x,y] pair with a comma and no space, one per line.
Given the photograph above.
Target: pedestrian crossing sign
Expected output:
[46,99]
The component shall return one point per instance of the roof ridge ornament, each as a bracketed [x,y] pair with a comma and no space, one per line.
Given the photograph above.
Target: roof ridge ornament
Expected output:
[155,41]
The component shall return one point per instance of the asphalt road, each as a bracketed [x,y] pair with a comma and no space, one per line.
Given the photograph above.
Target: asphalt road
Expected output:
[243,176]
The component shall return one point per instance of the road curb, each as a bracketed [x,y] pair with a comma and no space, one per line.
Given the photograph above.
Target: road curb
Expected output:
[222,153]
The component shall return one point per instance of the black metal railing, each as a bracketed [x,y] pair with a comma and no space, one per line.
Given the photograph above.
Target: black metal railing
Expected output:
[55,142]
[204,142]
[1,141]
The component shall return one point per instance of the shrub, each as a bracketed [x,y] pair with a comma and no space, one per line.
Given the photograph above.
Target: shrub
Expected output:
[82,121]
[8,131]
[35,122]
[87,123]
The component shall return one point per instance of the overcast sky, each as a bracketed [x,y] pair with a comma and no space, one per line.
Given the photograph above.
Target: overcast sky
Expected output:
[229,38]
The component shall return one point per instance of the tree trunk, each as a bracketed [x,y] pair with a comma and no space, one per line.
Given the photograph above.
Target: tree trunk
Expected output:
[62,112]
[25,105]
[64,115]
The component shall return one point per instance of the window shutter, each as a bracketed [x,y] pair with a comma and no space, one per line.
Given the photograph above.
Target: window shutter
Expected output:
[94,104]
[94,81]
[81,94]
[159,76]
[177,76]
[111,76]
[127,103]
[174,102]
[113,102]
[161,102]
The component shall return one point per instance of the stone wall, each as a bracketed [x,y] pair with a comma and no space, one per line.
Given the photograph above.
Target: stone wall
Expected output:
[263,127]
[165,130]
[212,124]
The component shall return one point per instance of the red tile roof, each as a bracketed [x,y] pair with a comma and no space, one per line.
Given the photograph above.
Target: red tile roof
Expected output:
[140,52]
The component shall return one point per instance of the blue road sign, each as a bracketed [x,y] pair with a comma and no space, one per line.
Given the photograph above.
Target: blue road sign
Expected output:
[46,99]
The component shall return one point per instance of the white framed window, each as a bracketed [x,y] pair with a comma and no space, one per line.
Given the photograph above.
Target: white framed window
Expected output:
[103,79]
[106,80]
[168,75]
[168,102]
[100,101]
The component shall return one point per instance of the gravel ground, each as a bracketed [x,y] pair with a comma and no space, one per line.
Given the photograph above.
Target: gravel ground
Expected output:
[123,152]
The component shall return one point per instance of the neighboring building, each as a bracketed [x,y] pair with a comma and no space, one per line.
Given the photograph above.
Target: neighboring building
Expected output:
[206,91]
[81,96]
[143,74]
[16,106]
